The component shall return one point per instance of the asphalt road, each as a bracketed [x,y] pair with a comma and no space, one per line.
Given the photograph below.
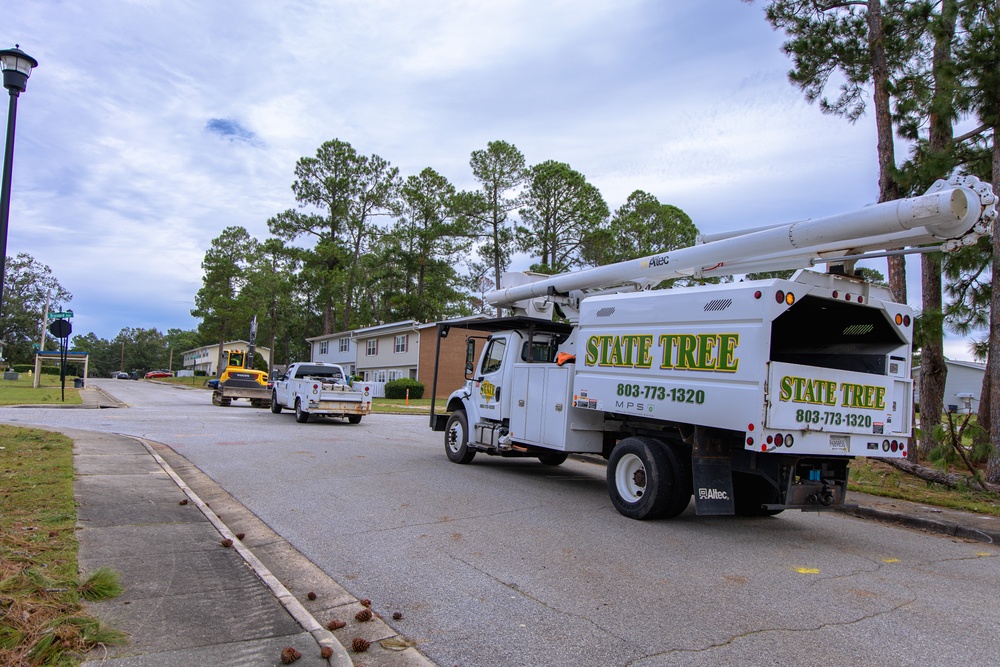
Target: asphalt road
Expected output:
[508,562]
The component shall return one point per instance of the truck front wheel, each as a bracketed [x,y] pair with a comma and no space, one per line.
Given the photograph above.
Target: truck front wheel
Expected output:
[553,458]
[646,479]
[275,406]
[456,438]
[301,416]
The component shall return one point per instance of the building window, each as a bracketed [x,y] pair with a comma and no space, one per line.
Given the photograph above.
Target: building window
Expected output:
[402,343]
[345,344]
[324,347]
[371,349]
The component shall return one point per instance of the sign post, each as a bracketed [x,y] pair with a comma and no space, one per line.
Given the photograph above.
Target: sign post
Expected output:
[61,329]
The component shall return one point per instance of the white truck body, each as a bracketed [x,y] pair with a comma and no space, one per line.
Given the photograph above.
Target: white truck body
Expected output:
[753,395]
[314,389]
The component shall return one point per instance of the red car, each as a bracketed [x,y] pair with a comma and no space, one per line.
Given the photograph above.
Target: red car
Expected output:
[158,374]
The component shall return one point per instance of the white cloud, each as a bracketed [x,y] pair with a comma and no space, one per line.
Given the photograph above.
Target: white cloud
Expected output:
[120,183]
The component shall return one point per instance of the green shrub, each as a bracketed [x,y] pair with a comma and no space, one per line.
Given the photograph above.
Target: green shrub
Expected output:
[397,388]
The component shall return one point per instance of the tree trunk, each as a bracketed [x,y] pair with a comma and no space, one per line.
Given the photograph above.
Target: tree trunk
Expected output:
[949,479]
[887,185]
[933,370]
[993,368]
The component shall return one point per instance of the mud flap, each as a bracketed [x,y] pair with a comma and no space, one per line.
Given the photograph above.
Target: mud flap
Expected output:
[713,486]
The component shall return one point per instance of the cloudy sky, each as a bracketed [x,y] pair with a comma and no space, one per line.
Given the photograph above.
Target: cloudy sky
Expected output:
[149,126]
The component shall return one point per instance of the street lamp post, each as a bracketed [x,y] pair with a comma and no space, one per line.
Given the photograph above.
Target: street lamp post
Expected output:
[17,66]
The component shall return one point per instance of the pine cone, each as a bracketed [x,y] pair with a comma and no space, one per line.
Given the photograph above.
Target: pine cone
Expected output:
[289,655]
[326,652]
[365,603]
[360,644]
[397,615]
[336,624]
[363,616]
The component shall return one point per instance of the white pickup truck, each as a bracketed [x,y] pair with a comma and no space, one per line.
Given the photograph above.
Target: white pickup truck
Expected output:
[321,389]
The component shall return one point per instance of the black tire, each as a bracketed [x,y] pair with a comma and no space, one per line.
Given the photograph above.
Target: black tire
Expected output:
[456,439]
[647,479]
[354,419]
[750,493]
[301,416]
[275,406]
[553,458]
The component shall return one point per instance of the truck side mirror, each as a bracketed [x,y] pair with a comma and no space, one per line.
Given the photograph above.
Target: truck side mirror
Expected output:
[470,357]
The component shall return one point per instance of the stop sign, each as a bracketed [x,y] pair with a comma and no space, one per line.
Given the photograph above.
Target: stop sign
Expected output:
[60,328]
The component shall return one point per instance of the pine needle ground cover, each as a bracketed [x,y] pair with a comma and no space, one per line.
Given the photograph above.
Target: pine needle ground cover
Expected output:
[42,620]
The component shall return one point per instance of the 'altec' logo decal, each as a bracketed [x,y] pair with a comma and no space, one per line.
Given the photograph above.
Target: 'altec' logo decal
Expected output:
[678,352]
[487,390]
[655,261]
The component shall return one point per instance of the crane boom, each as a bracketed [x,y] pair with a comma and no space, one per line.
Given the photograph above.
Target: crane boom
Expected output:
[955,212]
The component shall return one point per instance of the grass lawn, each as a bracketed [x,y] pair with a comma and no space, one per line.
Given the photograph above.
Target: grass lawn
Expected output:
[43,619]
[881,479]
[20,391]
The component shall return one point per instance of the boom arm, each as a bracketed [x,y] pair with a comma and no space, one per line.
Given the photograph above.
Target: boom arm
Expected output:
[955,212]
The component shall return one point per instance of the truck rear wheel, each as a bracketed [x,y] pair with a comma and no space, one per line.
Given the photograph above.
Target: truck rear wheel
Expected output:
[553,458]
[354,419]
[301,416]
[751,493]
[647,480]
[275,406]
[456,438]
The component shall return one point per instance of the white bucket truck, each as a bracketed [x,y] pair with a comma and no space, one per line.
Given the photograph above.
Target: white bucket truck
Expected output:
[753,395]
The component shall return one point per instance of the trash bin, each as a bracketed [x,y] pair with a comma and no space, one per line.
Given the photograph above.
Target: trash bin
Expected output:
[78,383]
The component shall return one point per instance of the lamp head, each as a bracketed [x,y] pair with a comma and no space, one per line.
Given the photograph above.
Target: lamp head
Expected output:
[17,66]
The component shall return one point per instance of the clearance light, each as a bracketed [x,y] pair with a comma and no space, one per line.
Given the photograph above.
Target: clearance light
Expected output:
[899,319]
[763,448]
[836,294]
[789,298]
[779,296]
[757,294]
[778,439]
[901,450]
[894,446]
[906,320]
[847,296]
[749,427]
[789,440]
[861,299]
[770,439]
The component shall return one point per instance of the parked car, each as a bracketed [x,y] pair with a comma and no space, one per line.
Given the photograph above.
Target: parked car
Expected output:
[213,383]
[158,374]
[121,375]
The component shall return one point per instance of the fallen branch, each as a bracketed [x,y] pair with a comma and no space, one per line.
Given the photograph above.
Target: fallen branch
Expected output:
[949,479]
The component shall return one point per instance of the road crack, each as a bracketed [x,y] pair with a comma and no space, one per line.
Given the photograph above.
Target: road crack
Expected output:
[762,631]
[517,589]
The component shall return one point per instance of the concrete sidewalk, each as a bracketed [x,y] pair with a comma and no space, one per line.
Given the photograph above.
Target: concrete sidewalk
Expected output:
[190,597]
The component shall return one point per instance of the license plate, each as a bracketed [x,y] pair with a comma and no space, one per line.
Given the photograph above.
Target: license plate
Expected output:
[839,443]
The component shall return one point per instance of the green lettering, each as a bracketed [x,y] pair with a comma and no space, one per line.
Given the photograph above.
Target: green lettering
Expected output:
[593,349]
[727,353]
[643,358]
[706,345]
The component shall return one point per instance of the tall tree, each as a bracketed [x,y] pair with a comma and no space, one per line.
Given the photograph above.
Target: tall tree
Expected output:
[859,41]
[28,284]
[641,226]
[141,349]
[432,238]
[980,58]
[217,302]
[926,109]
[501,173]
[347,189]
[560,208]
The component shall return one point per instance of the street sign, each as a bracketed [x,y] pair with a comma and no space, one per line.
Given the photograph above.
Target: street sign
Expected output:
[60,329]
[61,316]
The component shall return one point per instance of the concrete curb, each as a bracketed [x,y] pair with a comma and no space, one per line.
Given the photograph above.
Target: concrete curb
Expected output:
[323,637]
[921,523]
